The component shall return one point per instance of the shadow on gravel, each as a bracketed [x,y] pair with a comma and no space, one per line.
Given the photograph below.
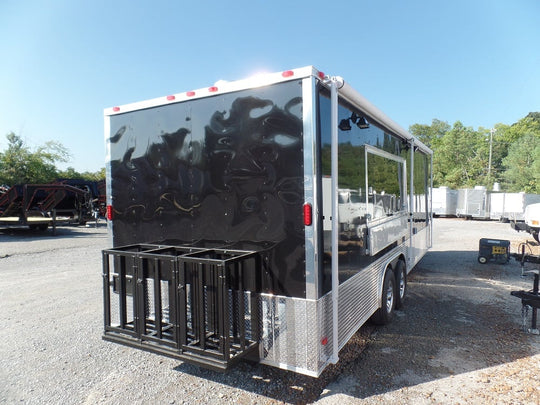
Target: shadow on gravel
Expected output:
[64,231]
[454,321]
[281,385]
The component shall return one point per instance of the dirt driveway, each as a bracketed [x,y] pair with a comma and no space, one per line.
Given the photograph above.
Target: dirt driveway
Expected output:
[458,339]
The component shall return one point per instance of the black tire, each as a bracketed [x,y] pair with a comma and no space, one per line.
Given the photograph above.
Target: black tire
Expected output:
[388,300]
[401,284]
[535,236]
[482,259]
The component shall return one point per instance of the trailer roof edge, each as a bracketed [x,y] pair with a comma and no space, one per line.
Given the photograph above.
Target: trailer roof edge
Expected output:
[220,87]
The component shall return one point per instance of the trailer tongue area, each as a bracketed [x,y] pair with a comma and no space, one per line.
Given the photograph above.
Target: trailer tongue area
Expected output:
[198,305]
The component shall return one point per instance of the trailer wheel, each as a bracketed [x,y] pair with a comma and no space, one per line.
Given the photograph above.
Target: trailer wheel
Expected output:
[385,313]
[535,236]
[401,283]
[482,259]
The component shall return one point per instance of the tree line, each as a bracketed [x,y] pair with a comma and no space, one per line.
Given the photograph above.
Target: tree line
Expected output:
[20,164]
[463,157]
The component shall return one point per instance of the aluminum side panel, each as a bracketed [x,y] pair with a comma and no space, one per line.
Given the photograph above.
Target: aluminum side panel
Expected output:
[420,245]
[297,333]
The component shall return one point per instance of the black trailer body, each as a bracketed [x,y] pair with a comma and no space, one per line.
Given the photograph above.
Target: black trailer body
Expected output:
[221,202]
[216,171]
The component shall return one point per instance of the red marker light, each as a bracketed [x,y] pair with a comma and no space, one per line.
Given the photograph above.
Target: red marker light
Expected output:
[324,341]
[109,212]
[321,75]
[116,109]
[287,73]
[308,218]
[170,98]
[212,89]
[190,93]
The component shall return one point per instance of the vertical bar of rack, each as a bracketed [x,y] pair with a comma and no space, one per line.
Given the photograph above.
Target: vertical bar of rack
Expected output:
[139,296]
[157,299]
[121,265]
[535,309]
[173,293]
[182,316]
[241,307]
[106,290]
[223,275]
[212,304]
[200,307]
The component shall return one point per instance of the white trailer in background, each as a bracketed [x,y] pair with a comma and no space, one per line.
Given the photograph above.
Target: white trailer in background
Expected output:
[473,203]
[267,218]
[444,201]
[510,206]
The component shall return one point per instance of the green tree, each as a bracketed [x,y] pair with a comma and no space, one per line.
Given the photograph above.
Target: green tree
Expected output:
[522,165]
[71,173]
[520,160]
[19,164]
[461,154]
[461,158]
[430,135]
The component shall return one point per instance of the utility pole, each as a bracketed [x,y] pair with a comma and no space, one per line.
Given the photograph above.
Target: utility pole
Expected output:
[491,131]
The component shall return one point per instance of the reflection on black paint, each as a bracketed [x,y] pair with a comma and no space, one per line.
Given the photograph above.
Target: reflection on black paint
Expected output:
[383,175]
[230,174]
[116,137]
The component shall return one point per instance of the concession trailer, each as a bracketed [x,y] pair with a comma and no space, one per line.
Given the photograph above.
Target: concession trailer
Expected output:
[267,218]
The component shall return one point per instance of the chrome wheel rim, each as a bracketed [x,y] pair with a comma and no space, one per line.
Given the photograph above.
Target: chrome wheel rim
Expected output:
[402,286]
[389,298]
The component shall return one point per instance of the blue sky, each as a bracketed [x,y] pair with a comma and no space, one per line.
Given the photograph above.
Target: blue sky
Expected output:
[64,61]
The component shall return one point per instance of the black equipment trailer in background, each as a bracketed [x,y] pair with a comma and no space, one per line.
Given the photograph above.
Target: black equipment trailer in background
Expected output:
[40,205]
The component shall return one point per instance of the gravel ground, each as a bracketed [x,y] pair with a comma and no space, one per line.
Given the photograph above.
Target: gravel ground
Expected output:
[457,340]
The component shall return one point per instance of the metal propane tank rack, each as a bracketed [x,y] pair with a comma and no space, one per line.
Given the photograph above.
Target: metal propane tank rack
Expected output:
[191,303]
